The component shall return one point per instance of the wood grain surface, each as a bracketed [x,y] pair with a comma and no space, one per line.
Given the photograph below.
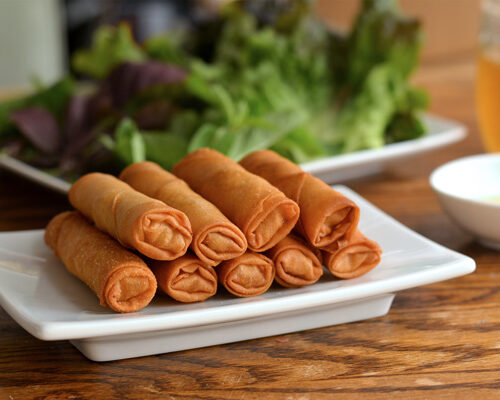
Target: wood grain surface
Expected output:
[439,341]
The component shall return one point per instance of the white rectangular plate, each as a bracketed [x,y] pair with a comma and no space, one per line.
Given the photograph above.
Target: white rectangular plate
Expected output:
[51,304]
[440,132]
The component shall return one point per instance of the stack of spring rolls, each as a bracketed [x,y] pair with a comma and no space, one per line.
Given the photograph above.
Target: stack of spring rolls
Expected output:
[211,222]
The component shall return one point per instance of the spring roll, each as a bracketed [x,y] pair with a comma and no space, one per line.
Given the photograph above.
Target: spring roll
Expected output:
[121,280]
[295,262]
[325,214]
[352,258]
[263,213]
[215,238]
[186,279]
[137,221]
[248,275]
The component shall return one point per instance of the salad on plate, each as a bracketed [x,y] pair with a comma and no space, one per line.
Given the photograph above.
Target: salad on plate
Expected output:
[257,75]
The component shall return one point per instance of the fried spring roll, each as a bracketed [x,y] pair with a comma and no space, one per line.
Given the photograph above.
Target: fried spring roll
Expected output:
[248,275]
[134,219]
[215,238]
[353,258]
[325,214]
[186,279]
[121,280]
[295,262]
[263,213]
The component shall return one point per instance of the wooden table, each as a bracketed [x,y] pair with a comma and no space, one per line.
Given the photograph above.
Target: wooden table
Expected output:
[438,341]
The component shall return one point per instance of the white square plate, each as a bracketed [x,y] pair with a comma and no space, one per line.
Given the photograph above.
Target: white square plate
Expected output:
[440,132]
[51,304]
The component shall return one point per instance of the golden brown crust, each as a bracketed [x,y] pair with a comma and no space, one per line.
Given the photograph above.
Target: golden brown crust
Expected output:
[215,238]
[296,263]
[134,219]
[352,258]
[325,214]
[186,279]
[263,213]
[121,280]
[248,275]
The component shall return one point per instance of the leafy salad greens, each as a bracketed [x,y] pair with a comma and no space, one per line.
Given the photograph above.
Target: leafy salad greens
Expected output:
[258,75]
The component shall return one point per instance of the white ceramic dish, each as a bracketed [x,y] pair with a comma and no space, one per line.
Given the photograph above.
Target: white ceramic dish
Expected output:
[441,132]
[461,187]
[37,291]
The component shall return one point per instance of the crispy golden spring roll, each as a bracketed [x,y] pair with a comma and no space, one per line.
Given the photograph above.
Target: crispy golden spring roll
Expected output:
[263,213]
[121,280]
[215,238]
[325,214]
[295,262]
[134,219]
[248,275]
[352,258]
[186,279]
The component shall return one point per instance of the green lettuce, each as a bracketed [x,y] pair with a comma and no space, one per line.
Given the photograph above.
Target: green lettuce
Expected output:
[259,75]
[129,146]
[111,46]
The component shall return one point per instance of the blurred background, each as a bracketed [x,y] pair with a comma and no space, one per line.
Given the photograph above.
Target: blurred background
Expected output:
[181,75]
[37,38]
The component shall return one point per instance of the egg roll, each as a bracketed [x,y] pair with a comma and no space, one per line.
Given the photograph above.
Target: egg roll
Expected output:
[325,214]
[295,262]
[353,258]
[186,279]
[248,275]
[215,238]
[263,213]
[137,221]
[121,280]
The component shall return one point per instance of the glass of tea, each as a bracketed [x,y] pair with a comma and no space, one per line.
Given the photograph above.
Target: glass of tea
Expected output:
[488,79]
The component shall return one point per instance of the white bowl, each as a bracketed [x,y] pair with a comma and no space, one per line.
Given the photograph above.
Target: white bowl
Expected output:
[463,187]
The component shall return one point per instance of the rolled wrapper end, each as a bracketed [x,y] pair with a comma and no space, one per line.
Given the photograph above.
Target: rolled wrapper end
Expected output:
[354,258]
[248,275]
[339,224]
[134,219]
[215,237]
[120,279]
[325,214]
[296,263]
[274,221]
[163,235]
[128,288]
[263,213]
[219,243]
[186,279]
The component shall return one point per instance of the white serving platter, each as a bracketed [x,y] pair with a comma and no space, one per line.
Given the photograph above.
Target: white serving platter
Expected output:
[51,304]
[440,132]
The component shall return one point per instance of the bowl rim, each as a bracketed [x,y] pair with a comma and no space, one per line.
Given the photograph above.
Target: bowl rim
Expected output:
[450,164]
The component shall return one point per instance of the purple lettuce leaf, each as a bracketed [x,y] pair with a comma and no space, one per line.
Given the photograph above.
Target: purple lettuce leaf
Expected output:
[129,79]
[84,119]
[78,117]
[79,122]
[40,127]
[154,115]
